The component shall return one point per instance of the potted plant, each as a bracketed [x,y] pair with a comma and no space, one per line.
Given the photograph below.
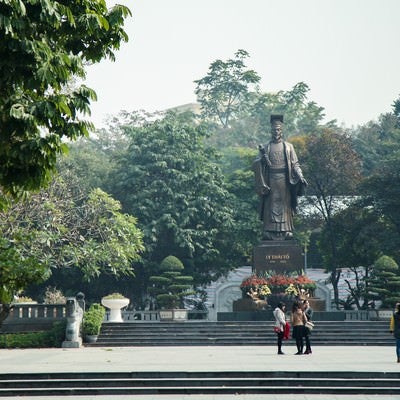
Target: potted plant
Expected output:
[169,289]
[92,320]
[115,302]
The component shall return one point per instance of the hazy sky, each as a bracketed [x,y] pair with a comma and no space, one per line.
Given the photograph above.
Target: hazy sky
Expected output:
[346,51]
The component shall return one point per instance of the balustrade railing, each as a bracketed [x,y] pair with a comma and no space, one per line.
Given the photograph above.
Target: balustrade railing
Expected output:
[35,311]
[25,313]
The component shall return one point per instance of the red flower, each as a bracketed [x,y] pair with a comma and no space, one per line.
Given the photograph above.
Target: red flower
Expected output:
[253,280]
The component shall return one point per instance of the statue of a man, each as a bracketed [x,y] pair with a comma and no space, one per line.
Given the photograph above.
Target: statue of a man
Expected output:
[279,180]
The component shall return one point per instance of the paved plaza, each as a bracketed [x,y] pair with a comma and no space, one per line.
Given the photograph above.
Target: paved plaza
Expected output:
[212,358]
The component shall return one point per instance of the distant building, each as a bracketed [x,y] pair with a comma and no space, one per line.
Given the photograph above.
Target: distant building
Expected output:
[193,107]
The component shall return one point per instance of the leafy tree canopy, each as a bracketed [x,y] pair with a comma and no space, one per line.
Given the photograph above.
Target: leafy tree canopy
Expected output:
[44,45]
[169,180]
[332,168]
[382,186]
[63,228]
[302,116]
[377,142]
[224,91]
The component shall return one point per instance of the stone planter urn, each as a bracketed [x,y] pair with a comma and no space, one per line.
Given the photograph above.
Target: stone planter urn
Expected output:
[115,305]
[91,338]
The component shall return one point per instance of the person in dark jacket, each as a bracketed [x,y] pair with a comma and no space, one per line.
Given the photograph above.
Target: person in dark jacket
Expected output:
[395,329]
[308,311]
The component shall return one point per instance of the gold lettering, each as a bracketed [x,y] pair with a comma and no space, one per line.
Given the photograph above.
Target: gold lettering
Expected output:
[278,257]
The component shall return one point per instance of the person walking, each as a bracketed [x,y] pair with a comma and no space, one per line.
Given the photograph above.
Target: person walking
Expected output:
[280,324]
[298,320]
[395,329]
[308,312]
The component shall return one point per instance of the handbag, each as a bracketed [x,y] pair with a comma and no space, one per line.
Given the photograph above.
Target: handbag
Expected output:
[277,329]
[309,325]
[286,331]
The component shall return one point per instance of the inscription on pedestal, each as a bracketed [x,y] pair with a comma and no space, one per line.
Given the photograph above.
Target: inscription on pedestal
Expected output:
[280,257]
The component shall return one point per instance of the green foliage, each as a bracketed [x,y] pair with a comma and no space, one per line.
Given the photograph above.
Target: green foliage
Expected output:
[52,338]
[17,268]
[385,281]
[332,169]
[90,160]
[44,46]
[252,127]
[331,166]
[240,183]
[383,191]
[302,116]
[361,236]
[171,263]
[114,296]
[170,181]
[171,287]
[92,319]
[62,228]
[224,91]
[377,143]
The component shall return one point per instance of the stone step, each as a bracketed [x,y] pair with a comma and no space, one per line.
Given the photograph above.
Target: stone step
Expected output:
[238,333]
[188,383]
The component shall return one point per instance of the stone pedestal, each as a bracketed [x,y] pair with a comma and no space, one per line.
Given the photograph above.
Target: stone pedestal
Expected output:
[317,304]
[249,305]
[278,256]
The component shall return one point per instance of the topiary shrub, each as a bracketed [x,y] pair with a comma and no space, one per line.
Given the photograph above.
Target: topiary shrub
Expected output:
[170,287]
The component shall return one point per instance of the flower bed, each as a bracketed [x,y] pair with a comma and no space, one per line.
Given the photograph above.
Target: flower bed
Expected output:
[257,284]
[300,286]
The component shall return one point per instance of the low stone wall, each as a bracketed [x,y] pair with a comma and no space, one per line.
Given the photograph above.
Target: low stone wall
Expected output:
[345,315]
[33,317]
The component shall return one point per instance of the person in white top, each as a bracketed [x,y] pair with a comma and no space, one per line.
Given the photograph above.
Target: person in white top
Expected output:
[280,323]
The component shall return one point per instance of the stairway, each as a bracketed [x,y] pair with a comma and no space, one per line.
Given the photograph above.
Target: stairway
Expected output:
[190,383]
[238,333]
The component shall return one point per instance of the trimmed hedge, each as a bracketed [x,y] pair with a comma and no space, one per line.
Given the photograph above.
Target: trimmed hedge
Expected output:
[51,338]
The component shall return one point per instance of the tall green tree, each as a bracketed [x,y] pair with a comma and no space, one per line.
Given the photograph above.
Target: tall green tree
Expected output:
[332,169]
[302,116]
[170,181]
[239,177]
[90,160]
[223,93]
[382,186]
[376,142]
[362,235]
[44,45]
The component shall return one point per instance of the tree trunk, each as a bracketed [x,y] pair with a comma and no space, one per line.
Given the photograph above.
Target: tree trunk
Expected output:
[4,312]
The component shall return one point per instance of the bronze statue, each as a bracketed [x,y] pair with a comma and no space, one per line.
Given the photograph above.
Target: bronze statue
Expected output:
[279,180]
